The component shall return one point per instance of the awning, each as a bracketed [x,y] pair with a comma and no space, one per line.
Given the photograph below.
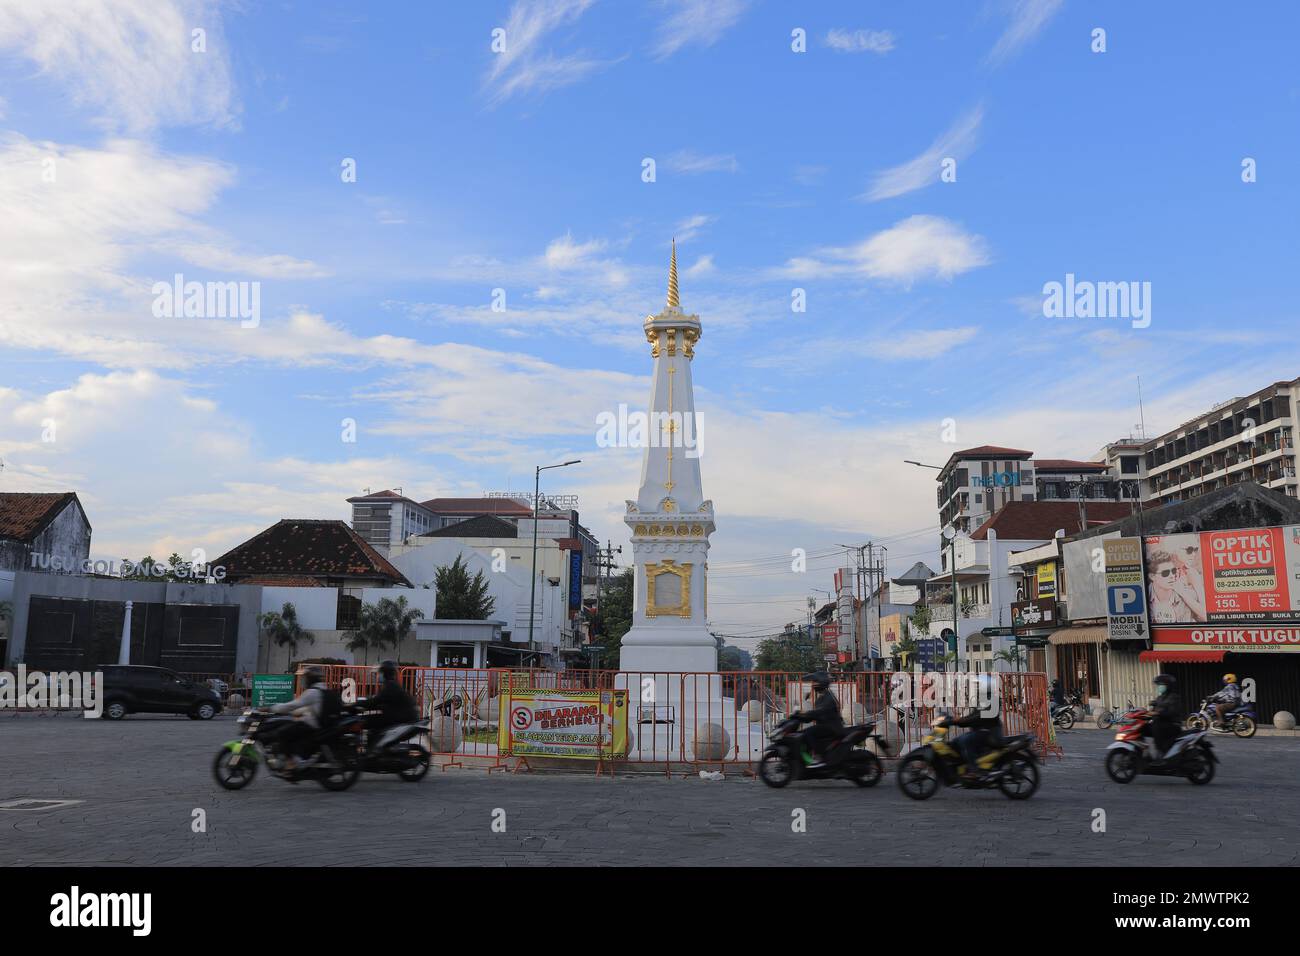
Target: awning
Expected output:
[1183,657]
[1078,635]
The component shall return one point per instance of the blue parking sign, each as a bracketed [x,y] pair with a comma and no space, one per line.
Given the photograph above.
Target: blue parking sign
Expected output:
[1126,599]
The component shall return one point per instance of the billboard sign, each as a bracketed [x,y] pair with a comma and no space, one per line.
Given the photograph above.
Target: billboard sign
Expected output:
[575,579]
[1126,606]
[1032,615]
[1243,576]
[1235,639]
[564,723]
[1047,580]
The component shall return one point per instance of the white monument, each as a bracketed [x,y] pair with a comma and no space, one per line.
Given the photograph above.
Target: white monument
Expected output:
[670,519]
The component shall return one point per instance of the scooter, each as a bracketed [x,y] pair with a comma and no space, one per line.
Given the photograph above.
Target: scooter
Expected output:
[1240,720]
[1011,767]
[787,757]
[1133,753]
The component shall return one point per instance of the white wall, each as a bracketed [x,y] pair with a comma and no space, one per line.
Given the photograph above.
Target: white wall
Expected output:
[317,607]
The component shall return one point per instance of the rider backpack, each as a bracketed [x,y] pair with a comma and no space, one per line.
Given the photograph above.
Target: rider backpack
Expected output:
[331,705]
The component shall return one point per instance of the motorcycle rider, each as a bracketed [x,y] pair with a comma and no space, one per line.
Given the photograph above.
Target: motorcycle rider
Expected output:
[307,709]
[827,724]
[1227,699]
[983,724]
[392,703]
[1166,714]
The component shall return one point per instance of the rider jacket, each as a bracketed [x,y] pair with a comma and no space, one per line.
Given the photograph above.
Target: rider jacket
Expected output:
[1231,694]
[1168,709]
[395,704]
[825,712]
[978,720]
[308,706]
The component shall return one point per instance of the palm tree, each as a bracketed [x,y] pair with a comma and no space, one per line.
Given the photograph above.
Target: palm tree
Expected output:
[383,624]
[1011,655]
[283,628]
[905,648]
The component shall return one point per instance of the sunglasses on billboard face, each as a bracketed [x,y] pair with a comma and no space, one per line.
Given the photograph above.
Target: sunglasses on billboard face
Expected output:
[1166,572]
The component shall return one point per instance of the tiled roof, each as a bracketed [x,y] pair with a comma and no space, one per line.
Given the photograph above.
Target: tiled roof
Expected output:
[1067,464]
[480,526]
[307,547]
[385,495]
[1040,520]
[478,506]
[282,581]
[25,514]
[992,451]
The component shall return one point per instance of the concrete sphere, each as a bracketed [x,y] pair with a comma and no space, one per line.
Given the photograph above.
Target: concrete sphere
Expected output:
[490,710]
[235,702]
[712,742]
[446,734]
[857,713]
[754,711]
[1284,720]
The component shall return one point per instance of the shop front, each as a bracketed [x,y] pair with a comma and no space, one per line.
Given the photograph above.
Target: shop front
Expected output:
[1265,658]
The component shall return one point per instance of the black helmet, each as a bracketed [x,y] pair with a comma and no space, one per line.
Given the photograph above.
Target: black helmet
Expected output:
[819,679]
[312,676]
[1165,680]
[388,670]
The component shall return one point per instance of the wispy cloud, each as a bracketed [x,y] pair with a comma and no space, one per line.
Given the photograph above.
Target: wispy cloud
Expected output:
[690,163]
[923,343]
[698,22]
[703,266]
[1028,18]
[859,41]
[956,142]
[133,60]
[690,227]
[915,248]
[523,66]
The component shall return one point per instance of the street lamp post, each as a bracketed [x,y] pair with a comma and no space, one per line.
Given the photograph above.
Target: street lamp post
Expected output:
[532,599]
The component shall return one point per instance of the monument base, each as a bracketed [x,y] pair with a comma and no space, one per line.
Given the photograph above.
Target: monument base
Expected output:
[668,649]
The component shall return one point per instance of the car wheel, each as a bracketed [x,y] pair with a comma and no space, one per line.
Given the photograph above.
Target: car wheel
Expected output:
[204,711]
[114,710]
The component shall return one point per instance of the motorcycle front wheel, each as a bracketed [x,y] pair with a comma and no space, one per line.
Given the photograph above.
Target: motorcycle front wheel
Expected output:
[1244,726]
[1122,766]
[419,766]
[866,770]
[1197,722]
[918,778]
[1019,780]
[1065,719]
[233,771]
[775,770]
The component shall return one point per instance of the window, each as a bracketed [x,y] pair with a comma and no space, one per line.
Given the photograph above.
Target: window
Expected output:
[348,614]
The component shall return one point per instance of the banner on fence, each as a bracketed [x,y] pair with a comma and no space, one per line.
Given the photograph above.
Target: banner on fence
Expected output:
[564,723]
[271,689]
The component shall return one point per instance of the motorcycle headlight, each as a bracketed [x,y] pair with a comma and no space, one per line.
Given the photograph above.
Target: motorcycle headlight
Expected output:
[1119,736]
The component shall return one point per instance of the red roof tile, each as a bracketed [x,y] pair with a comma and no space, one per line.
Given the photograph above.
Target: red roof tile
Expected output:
[478,506]
[307,547]
[25,514]
[1067,464]
[1040,520]
[992,451]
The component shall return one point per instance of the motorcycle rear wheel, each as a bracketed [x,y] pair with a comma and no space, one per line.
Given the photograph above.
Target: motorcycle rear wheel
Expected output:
[867,770]
[1244,726]
[917,778]
[1200,767]
[414,774]
[235,777]
[1020,779]
[1065,719]
[1122,766]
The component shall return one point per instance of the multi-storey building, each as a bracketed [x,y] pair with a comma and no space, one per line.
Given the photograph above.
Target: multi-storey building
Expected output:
[1243,439]
[976,482]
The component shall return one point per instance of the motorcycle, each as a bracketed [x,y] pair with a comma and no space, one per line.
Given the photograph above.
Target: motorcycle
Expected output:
[787,757]
[1011,768]
[1240,720]
[397,751]
[338,761]
[1133,753]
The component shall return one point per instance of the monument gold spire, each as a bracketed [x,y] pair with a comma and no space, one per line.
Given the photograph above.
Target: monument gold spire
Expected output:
[673,301]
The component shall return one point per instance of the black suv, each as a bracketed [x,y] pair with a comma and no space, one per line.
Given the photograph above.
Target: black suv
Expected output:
[135,689]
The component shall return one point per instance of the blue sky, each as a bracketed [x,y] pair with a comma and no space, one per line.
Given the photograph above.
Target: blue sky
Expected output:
[522,171]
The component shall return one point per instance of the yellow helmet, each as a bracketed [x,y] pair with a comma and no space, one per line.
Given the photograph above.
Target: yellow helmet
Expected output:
[1230,678]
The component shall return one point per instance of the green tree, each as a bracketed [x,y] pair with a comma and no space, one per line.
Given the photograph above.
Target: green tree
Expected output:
[175,568]
[613,617]
[905,649]
[788,654]
[284,630]
[1011,655]
[460,597]
[731,659]
[382,624]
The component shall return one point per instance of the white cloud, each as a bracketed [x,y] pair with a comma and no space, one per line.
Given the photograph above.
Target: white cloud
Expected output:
[703,266]
[690,227]
[130,59]
[1028,18]
[915,248]
[564,253]
[922,344]
[860,41]
[210,256]
[696,22]
[956,143]
[523,67]
[690,163]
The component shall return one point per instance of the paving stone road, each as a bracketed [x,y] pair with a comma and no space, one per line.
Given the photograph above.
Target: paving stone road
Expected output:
[139,781]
